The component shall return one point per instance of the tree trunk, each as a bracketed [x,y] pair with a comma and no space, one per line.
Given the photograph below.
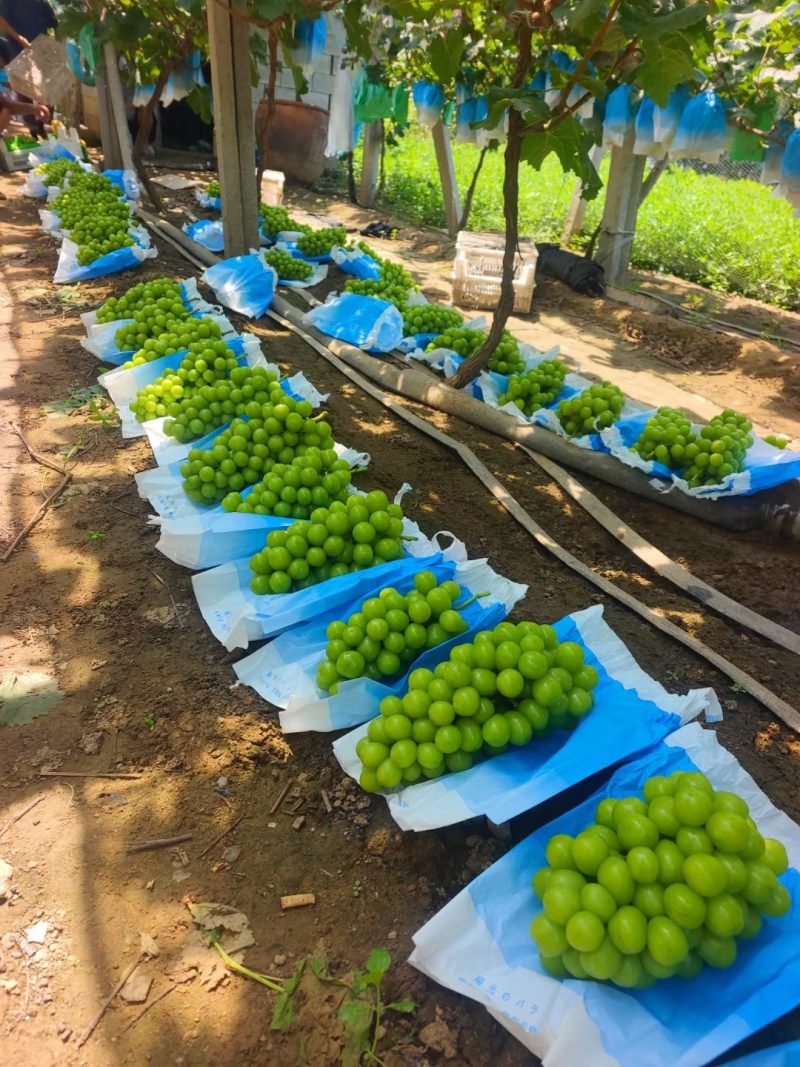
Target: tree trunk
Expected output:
[462,224]
[473,366]
[263,130]
[143,137]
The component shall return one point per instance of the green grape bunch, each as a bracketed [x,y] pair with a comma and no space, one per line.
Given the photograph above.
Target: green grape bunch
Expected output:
[178,336]
[465,341]
[392,284]
[390,630]
[320,242]
[665,437]
[595,409]
[91,210]
[212,189]
[140,297]
[151,322]
[275,220]
[366,531]
[429,318]
[55,171]
[511,685]
[719,451]
[247,449]
[287,267]
[536,388]
[293,490]
[659,886]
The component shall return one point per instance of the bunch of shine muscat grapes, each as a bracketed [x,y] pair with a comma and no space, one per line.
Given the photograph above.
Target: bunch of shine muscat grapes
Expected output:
[393,284]
[212,189]
[333,542]
[94,215]
[178,336]
[593,410]
[152,321]
[429,318]
[536,388]
[207,390]
[287,267]
[512,684]
[390,630]
[248,448]
[320,242]
[657,886]
[140,298]
[465,341]
[275,220]
[720,449]
[665,438]
[294,490]
[55,171]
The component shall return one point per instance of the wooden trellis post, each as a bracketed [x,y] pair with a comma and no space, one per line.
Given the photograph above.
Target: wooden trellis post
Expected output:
[370,163]
[229,39]
[447,176]
[623,194]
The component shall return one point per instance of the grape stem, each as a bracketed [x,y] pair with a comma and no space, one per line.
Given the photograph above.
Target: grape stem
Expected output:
[408,537]
[472,599]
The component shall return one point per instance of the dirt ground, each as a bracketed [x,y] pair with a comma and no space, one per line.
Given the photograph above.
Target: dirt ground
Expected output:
[148,692]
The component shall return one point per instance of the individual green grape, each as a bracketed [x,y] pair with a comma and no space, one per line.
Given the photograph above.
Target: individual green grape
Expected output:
[776,441]
[595,409]
[429,318]
[665,910]
[320,242]
[141,297]
[332,542]
[536,388]
[287,266]
[665,438]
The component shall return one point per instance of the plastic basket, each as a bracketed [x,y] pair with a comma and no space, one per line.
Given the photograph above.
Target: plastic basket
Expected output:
[478,271]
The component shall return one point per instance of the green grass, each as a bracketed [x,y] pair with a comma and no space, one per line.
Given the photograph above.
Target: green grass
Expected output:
[732,236]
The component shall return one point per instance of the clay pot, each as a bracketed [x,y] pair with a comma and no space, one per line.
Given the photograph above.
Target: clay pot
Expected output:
[297,138]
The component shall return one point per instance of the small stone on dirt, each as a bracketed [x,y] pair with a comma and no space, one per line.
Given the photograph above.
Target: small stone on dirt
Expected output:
[6,874]
[91,743]
[439,1037]
[279,959]
[149,945]
[232,853]
[37,933]
[136,989]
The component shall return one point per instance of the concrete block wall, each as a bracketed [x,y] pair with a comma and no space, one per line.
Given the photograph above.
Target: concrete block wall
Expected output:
[320,84]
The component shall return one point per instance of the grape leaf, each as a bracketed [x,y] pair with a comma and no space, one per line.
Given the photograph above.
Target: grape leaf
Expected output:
[648,27]
[571,143]
[666,65]
[402,1005]
[445,52]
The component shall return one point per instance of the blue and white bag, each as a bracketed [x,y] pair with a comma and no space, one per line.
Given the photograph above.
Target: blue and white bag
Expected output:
[646,143]
[619,116]
[308,44]
[703,132]
[126,181]
[207,232]
[236,616]
[243,283]
[364,321]
[787,1055]
[428,103]
[284,671]
[69,270]
[632,712]
[123,383]
[209,203]
[479,945]
[765,465]
[355,261]
[667,119]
